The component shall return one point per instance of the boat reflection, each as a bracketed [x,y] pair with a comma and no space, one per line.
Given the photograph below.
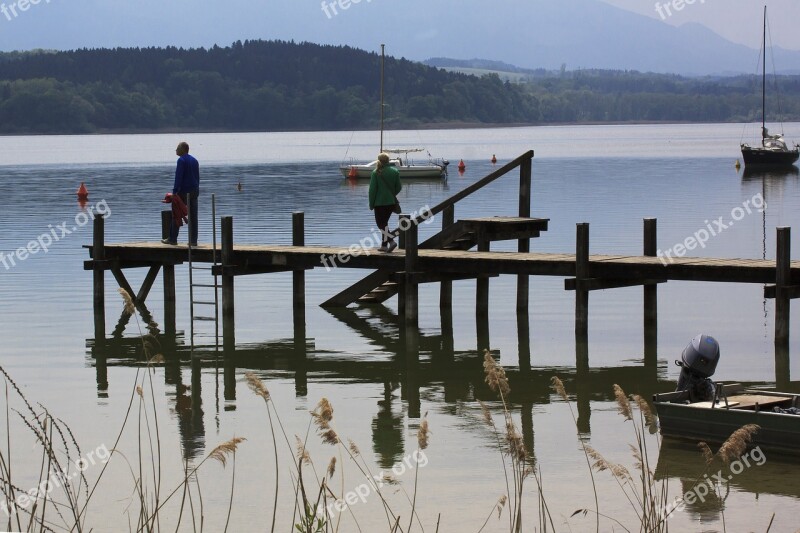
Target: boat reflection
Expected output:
[684,463]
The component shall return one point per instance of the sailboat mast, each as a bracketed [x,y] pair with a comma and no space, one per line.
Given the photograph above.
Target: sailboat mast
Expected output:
[764,81]
[382,61]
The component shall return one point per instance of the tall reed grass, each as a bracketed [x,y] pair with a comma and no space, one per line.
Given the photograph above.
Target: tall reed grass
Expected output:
[157,504]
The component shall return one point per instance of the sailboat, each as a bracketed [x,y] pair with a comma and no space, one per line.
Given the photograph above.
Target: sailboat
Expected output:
[433,168]
[773,151]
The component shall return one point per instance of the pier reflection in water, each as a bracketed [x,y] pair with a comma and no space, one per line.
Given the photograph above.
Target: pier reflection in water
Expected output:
[419,361]
[773,182]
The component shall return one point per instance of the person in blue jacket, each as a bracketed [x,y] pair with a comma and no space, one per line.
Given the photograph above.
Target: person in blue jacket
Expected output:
[187,186]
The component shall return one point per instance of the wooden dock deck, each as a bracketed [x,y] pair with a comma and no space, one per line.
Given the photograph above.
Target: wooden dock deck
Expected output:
[461,250]
[247,259]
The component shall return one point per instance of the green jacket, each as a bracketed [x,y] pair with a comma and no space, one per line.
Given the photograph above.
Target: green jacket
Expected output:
[379,193]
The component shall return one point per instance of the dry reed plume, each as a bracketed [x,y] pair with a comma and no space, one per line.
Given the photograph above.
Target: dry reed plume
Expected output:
[733,448]
[256,385]
[222,451]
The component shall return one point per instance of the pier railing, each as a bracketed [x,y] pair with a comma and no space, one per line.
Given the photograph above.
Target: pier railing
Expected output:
[524,162]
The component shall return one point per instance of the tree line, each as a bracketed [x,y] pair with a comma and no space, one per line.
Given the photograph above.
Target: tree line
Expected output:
[279,85]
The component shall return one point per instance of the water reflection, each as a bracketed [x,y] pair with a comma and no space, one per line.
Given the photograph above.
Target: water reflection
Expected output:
[683,462]
[420,361]
[773,183]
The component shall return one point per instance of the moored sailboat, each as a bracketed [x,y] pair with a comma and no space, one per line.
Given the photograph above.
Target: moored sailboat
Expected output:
[773,151]
[433,168]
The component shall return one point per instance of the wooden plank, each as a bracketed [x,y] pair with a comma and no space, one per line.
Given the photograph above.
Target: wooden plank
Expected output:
[594,284]
[791,291]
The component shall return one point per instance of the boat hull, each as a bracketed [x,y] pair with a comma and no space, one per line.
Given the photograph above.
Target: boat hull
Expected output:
[760,157]
[406,172]
[779,432]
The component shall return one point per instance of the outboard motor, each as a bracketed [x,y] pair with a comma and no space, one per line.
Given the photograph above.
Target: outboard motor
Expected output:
[698,363]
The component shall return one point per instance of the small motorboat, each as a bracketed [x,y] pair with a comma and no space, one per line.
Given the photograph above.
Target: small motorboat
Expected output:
[702,410]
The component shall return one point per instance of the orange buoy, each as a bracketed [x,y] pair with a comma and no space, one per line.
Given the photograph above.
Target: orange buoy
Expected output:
[353,173]
[494,159]
[82,193]
[461,165]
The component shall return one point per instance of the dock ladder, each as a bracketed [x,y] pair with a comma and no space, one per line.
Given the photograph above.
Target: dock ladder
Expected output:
[203,295]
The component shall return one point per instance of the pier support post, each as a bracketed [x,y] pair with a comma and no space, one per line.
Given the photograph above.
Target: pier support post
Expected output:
[299,309]
[524,341]
[228,323]
[482,302]
[581,273]
[401,239]
[410,284]
[168,277]
[482,282]
[99,283]
[782,281]
[446,288]
[650,297]
[298,276]
[524,245]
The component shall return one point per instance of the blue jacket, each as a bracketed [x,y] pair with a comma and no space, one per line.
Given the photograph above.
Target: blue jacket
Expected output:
[187,175]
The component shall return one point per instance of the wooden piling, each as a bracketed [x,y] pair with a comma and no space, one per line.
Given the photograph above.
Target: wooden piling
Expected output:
[168,277]
[782,282]
[524,340]
[299,307]
[411,285]
[98,277]
[446,288]
[401,239]
[482,282]
[650,297]
[298,276]
[581,273]
[524,245]
[228,322]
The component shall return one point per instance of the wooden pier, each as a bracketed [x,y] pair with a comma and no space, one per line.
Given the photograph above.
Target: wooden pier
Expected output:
[446,256]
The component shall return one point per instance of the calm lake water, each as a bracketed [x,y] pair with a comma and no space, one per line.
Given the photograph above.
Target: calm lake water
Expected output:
[609,176]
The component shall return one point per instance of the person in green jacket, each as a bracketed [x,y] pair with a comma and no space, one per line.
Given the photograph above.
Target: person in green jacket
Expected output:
[384,184]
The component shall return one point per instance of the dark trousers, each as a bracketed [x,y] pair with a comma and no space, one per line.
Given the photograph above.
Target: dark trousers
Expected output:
[382,215]
[190,200]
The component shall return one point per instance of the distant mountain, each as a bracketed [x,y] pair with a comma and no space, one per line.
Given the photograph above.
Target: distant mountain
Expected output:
[530,34]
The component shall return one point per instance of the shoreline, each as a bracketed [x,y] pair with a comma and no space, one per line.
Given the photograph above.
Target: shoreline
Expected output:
[428,126]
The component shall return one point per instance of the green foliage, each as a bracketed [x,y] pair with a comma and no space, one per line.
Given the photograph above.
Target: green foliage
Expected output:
[275,85]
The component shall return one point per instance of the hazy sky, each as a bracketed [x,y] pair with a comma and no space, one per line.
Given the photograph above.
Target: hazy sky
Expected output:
[736,20]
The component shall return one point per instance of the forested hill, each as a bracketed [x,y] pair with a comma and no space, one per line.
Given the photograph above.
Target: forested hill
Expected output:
[273,85]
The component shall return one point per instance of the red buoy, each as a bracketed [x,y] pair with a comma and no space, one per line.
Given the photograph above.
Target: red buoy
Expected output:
[82,193]
[353,173]
[494,159]
[461,165]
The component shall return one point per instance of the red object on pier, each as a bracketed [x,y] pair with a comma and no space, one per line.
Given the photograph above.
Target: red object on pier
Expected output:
[83,192]
[461,165]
